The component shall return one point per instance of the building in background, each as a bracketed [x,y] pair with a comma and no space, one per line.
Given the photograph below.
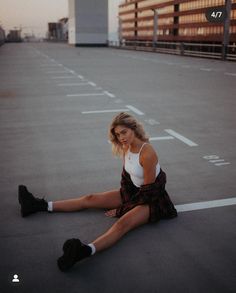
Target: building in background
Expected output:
[177,21]
[14,36]
[88,22]
[58,31]
[2,36]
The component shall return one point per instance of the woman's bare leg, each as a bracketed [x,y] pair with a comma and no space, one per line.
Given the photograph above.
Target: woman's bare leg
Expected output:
[109,199]
[134,218]
[74,250]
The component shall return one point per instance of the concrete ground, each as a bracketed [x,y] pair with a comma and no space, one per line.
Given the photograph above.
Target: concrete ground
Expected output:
[51,142]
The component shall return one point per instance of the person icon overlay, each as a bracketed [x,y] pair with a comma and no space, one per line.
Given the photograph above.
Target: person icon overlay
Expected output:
[140,199]
[15,279]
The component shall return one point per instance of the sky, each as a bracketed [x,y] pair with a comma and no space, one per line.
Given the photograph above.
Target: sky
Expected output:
[33,15]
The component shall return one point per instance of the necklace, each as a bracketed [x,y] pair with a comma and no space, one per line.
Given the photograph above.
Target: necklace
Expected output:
[129,155]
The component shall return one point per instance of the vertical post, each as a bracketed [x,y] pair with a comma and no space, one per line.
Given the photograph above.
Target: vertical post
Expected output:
[155,28]
[226,29]
[120,30]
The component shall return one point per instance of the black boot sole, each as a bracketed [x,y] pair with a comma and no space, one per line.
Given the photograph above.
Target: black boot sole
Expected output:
[29,204]
[22,192]
[70,256]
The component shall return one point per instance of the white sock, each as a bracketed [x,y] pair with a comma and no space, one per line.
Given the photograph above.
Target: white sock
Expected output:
[93,248]
[50,207]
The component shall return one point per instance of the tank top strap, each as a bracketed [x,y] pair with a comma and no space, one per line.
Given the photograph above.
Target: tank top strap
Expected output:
[142,147]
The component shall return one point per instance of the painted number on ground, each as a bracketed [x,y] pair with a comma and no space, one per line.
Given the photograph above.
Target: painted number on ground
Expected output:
[216,160]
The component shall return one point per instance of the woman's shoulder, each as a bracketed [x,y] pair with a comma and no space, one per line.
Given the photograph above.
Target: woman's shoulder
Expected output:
[148,151]
[147,146]
[148,156]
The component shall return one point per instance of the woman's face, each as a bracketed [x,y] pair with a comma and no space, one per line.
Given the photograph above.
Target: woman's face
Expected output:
[124,134]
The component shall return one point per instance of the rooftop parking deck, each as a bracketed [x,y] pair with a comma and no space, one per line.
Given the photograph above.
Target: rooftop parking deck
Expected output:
[56,103]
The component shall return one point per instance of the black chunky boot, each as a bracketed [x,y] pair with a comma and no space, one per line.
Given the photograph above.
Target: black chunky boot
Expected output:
[29,203]
[74,251]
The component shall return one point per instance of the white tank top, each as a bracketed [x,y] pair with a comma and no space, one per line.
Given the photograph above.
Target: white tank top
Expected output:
[133,167]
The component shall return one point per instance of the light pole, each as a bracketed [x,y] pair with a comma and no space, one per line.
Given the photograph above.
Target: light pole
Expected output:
[226,28]
[155,27]
[120,30]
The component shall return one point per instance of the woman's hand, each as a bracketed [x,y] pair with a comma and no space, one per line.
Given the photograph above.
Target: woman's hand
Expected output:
[111,213]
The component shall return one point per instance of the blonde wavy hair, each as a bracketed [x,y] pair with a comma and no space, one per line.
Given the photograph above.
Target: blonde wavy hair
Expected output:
[129,121]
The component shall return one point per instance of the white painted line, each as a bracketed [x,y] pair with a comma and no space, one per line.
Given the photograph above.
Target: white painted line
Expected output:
[48,65]
[205,205]
[80,76]
[92,83]
[85,95]
[72,84]
[230,73]
[210,157]
[109,94]
[221,164]
[216,161]
[69,70]
[181,137]
[206,69]
[57,72]
[135,110]
[104,111]
[161,138]
[68,76]
[152,122]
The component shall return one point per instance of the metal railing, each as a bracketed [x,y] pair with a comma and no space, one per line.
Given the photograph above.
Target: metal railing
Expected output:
[214,51]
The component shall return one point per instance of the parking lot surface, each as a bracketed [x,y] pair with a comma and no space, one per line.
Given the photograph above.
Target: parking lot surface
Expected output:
[56,103]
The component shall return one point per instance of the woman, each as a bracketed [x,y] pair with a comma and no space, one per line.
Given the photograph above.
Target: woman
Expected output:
[142,197]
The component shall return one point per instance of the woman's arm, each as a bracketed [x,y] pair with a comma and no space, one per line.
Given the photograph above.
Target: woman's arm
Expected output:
[148,160]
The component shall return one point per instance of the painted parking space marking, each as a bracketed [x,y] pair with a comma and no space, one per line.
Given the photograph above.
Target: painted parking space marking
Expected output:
[49,65]
[205,69]
[181,137]
[135,110]
[104,111]
[92,83]
[205,205]
[80,76]
[109,94]
[152,122]
[61,77]
[222,164]
[230,73]
[71,71]
[216,160]
[161,138]
[53,72]
[179,64]
[85,95]
[72,84]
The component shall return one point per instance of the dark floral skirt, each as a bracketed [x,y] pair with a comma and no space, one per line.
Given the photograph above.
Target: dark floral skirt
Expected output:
[153,194]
